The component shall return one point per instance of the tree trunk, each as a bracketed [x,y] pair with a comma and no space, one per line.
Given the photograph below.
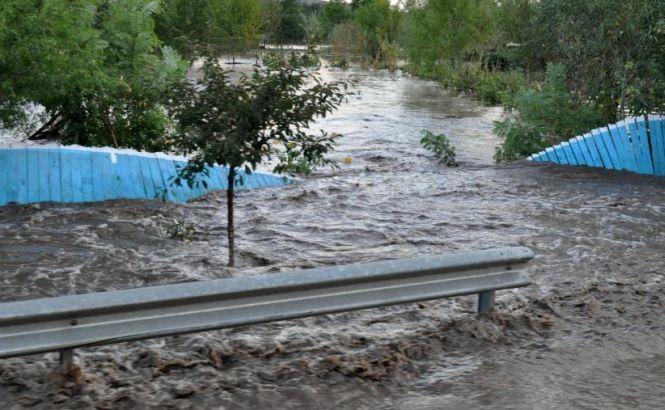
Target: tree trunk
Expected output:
[50,130]
[111,130]
[230,229]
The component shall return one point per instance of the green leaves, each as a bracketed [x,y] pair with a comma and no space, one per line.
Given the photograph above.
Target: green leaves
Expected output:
[440,147]
[256,118]
[94,65]
[542,118]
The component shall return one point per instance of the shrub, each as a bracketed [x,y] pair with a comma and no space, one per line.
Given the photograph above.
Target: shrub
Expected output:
[519,140]
[541,118]
[182,231]
[440,146]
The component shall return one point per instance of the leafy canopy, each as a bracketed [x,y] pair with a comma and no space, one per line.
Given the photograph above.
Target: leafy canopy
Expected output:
[95,66]
[209,27]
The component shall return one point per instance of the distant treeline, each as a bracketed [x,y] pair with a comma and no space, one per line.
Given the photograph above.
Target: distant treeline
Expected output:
[559,66]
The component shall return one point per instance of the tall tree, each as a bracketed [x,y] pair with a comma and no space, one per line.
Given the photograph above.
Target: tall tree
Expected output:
[238,28]
[206,27]
[444,30]
[379,23]
[333,13]
[617,62]
[291,24]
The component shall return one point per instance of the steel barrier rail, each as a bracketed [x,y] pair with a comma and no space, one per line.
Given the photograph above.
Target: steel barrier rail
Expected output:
[67,322]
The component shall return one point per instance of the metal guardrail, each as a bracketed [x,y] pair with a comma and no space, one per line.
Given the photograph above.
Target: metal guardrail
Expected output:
[67,322]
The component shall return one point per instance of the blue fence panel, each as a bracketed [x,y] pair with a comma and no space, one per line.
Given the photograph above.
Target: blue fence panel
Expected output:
[182,192]
[66,176]
[55,175]
[580,146]
[590,143]
[43,176]
[622,140]
[33,175]
[169,175]
[610,147]
[101,182]
[561,155]
[645,145]
[7,179]
[569,153]
[642,166]
[579,155]
[602,149]
[79,175]
[657,133]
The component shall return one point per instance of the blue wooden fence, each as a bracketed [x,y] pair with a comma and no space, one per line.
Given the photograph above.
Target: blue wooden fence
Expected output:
[635,144]
[65,174]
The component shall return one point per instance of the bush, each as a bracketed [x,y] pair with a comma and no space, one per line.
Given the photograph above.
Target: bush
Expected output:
[182,231]
[440,146]
[541,118]
[519,140]
[492,87]
[293,163]
[274,60]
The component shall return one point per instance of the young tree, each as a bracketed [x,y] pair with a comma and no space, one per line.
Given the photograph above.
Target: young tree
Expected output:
[241,124]
[95,66]
[443,30]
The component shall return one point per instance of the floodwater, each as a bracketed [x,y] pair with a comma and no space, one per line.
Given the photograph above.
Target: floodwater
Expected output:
[589,333]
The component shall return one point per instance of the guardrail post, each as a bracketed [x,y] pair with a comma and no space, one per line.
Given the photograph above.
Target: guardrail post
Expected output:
[66,358]
[485,301]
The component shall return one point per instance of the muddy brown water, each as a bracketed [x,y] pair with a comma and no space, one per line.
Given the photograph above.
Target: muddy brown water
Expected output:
[589,333]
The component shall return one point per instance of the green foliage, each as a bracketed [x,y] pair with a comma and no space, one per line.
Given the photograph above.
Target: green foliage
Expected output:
[95,66]
[182,231]
[616,62]
[275,60]
[246,122]
[290,27]
[346,40]
[333,13]
[444,30]
[210,27]
[293,163]
[379,24]
[519,139]
[542,118]
[492,87]
[612,50]
[440,146]
[185,25]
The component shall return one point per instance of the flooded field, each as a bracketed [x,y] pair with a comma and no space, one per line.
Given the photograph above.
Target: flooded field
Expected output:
[590,332]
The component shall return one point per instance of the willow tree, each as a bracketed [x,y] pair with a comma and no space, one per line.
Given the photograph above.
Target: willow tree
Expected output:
[243,123]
